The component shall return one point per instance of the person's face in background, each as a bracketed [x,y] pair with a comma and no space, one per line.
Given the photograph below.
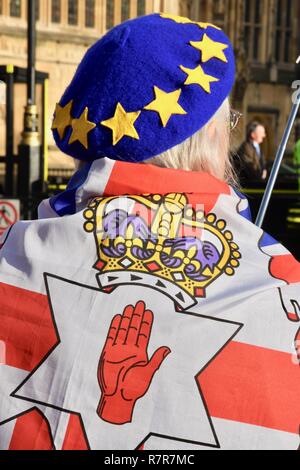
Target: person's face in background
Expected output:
[259,135]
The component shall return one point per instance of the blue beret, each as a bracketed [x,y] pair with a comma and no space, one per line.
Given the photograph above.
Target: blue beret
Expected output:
[146,86]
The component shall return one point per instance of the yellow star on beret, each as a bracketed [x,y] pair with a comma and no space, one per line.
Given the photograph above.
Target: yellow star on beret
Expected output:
[207,25]
[122,124]
[62,118]
[183,20]
[81,128]
[166,104]
[210,49]
[197,76]
[176,18]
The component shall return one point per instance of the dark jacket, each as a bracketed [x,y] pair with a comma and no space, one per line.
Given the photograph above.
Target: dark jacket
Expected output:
[248,164]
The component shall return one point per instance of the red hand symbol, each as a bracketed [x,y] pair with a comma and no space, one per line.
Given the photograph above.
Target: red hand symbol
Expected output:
[125,371]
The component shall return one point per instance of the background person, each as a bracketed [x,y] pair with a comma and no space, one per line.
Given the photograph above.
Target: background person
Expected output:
[251,164]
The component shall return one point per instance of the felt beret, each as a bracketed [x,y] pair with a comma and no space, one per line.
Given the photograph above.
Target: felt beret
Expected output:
[146,86]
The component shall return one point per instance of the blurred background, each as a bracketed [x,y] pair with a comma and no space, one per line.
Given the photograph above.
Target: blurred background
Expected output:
[42,42]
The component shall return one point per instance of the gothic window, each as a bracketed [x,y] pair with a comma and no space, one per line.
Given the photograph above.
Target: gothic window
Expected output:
[73,12]
[110,13]
[56,11]
[37,9]
[125,11]
[141,7]
[253,28]
[90,13]
[15,8]
[283,28]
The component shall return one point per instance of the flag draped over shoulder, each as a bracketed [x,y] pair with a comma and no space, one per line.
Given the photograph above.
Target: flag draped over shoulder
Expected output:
[144,310]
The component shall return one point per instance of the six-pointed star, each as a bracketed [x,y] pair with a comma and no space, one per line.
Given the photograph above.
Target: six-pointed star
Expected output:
[11,408]
[172,407]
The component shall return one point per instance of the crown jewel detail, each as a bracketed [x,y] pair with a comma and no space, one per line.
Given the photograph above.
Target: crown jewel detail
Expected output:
[164,237]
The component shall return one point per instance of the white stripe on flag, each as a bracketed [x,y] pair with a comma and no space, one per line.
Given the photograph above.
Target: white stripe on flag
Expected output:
[94,185]
[234,436]
[6,433]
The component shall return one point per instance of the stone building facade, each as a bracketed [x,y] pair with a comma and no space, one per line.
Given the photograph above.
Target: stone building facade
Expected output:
[265,34]
[266,38]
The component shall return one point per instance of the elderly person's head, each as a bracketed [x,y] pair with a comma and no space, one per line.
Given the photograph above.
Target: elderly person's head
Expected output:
[153,90]
[207,150]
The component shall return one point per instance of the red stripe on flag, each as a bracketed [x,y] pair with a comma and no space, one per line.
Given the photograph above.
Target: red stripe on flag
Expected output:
[75,437]
[26,326]
[254,385]
[285,267]
[293,317]
[31,432]
[127,178]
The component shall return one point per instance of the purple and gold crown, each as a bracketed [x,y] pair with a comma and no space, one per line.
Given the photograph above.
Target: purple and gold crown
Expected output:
[160,242]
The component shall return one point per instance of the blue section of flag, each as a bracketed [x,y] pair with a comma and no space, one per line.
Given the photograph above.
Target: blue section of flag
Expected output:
[267,240]
[246,213]
[65,202]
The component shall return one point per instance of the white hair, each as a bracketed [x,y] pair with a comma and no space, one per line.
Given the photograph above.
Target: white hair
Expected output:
[208,150]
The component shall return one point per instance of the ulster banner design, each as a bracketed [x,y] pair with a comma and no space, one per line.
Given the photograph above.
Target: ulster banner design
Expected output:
[144,310]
